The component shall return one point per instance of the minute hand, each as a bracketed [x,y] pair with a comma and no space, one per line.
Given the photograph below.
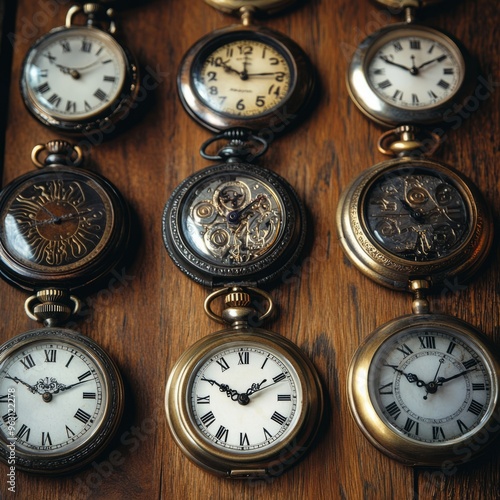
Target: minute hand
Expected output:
[441,380]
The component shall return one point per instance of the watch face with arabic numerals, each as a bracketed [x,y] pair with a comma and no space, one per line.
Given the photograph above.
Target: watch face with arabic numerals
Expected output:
[246,76]
[239,402]
[409,74]
[61,399]
[60,225]
[75,77]
[233,222]
[407,218]
[432,382]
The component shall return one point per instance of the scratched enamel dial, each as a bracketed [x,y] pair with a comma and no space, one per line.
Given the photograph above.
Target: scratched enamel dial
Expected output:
[245,398]
[60,224]
[412,70]
[417,215]
[60,396]
[75,73]
[243,78]
[430,385]
[233,219]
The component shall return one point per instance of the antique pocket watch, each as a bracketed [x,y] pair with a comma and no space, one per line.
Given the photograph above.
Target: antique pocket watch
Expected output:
[422,388]
[246,75]
[61,229]
[77,78]
[409,73]
[244,401]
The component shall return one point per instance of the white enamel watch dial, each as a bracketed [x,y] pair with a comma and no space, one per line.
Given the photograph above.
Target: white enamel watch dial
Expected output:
[430,388]
[73,77]
[407,73]
[61,399]
[244,402]
[414,71]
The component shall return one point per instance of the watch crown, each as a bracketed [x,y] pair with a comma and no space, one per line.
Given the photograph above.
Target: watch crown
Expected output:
[237,299]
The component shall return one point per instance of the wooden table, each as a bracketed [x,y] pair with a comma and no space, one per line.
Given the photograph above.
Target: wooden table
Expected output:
[156,312]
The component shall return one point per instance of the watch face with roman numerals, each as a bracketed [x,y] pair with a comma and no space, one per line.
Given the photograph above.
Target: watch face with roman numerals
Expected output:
[409,73]
[245,398]
[412,70]
[244,401]
[424,387]
[74,74]
[60,399]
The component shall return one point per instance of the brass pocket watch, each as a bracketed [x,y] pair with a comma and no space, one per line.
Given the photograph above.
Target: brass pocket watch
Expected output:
[77,79]
[244,401]
[61,229]
[422,388]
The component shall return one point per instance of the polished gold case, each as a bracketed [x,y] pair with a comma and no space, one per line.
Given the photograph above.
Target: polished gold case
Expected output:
[392,271]
[268,462]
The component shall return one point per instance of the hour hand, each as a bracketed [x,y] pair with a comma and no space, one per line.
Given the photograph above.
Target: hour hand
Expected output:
[388,61]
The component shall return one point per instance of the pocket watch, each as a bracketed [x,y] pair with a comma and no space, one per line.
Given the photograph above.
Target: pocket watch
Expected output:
[424,389]
[243,401]
[246,75]
[409,73]
[78,78]
[61,229]
[234,220]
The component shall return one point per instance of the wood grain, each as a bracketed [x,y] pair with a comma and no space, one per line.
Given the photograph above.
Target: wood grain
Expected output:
[327,309]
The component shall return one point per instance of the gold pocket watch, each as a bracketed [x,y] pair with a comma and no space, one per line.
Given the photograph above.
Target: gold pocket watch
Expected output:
[77,79]
[422,388]
[244,401]
[61,229]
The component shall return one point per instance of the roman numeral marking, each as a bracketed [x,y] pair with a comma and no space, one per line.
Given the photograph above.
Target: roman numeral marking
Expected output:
[279,377]
[478,387]
[414,99]
[89,395]
[46,440]
[86,46]
[415,44]
[203,400]
[278,418]
[410,424]
[386,389]
[393,410]
[69,361]
[87,106]
[65,46]
[405,350]
[264,364]
[223,364]
[55,100]
[437,433]
[109,79]
[50,356]
[398,94]
[384,84]
[448,71]
[100,94]
[267,434]
[69,432]
[475,407]
[82,416]
[45,87]
[470,363]
[431,94]
[244,439]
[397,46]
[284,397]
[24,433]
[379,71]
[443,84]
[451,347]
[427,342]
[244,358]
[71,107]
[222,434]
[463,428]
[28,362]
[208,419]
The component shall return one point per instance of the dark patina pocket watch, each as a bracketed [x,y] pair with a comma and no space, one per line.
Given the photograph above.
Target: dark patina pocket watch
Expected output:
[78,78]
[61,229]
[423,388]
[244,401]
